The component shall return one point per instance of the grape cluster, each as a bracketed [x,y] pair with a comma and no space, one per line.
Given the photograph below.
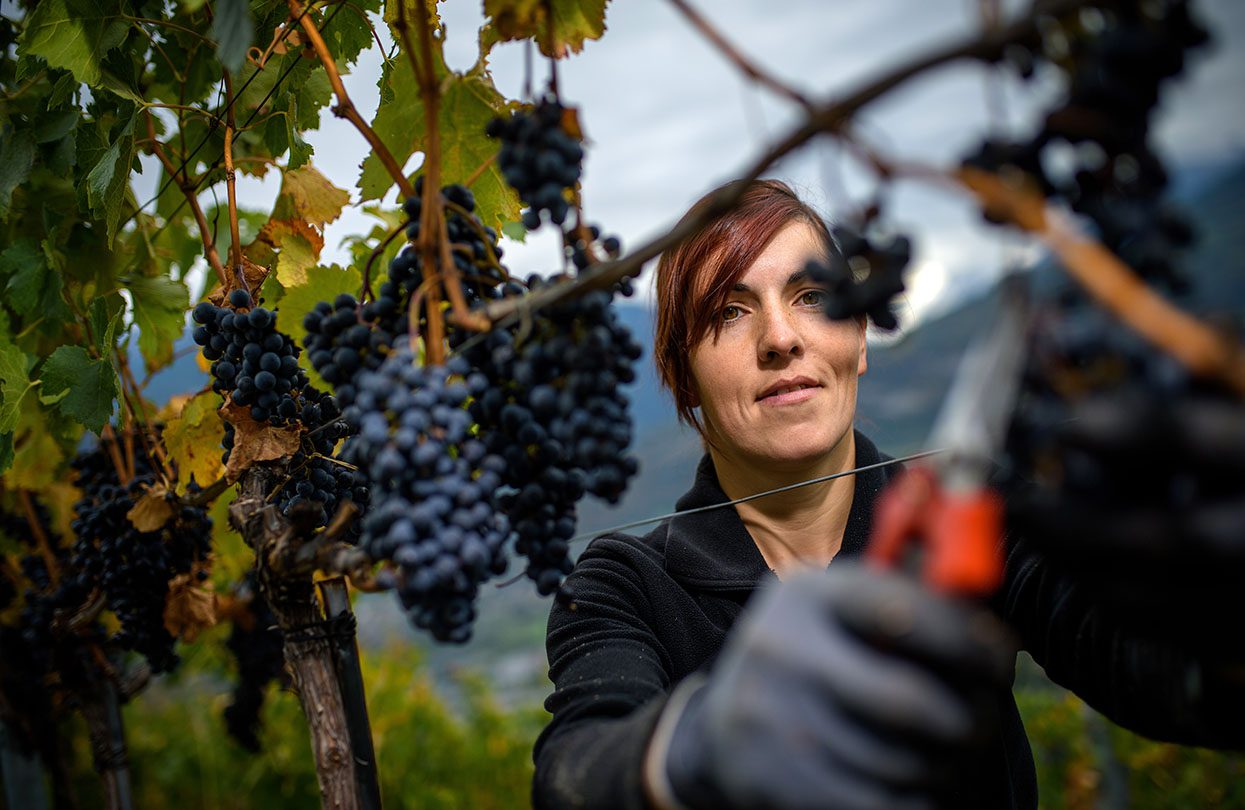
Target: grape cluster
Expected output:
[316,477]
[551,408]
[344,339]
[1122,464]
[130,567]
[258,647]
[252,362]
[539,158]
[582,251]
[41,598]
[1115,59]
[431,485]
[473,245]
[865,277]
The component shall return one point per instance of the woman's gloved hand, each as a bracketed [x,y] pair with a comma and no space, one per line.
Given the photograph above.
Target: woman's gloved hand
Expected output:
[848,689]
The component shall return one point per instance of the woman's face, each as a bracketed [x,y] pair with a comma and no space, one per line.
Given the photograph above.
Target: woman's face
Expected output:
[778,384]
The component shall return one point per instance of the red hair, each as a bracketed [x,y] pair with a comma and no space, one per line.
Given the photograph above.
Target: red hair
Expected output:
[695,277]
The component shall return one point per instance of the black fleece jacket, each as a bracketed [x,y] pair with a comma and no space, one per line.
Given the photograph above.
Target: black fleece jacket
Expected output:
[642,613]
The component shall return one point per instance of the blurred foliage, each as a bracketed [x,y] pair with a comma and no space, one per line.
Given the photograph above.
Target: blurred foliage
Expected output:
[1158,776]
[434,750]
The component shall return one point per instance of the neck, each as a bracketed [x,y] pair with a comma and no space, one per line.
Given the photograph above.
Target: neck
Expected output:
[799,528]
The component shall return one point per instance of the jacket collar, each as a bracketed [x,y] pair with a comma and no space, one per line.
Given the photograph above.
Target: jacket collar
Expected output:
[712,550]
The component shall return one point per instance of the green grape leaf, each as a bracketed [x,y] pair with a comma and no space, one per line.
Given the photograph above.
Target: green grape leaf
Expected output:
[350,34]
[400,111]
[308,195]
[81,387]
[193,439]
[63,91]
[14,383]
[74,35]
[160,305]
[311,95]
[34,288]
[233,31]
[322,284]
[60,159]
[56,125]
[105,317]
[298,255]
[17,157]
[558,27]
[107,181]
[468,102]
[6,451]
[300,150]
[515,230]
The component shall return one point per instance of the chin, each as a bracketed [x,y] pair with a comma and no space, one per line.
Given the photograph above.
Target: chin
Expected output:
[795,447]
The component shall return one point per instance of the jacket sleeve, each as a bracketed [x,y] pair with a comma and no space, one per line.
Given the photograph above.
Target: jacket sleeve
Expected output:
[1149,685]
[611,681]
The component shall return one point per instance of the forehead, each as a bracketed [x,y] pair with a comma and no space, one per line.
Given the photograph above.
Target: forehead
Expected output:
[792,247]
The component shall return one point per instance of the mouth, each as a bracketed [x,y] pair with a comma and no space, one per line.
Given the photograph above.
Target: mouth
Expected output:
[786,391]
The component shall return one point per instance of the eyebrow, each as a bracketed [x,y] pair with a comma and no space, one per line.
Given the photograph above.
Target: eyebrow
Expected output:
[795,278]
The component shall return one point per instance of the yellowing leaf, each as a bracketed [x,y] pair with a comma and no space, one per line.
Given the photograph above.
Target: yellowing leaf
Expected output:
[558,27]
[38,456]
[14,383]
[320,284]
[296,258]
[193,440]
[151,511]
[308,195]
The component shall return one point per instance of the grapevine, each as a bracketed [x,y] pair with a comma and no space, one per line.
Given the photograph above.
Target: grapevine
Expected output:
[415,420]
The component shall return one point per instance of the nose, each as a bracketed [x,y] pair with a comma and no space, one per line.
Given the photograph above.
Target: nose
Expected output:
[779,335]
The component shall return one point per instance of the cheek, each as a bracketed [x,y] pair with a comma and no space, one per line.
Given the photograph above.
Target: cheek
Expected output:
[715,376]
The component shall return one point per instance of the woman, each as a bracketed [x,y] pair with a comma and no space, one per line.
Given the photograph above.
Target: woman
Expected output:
[843,688]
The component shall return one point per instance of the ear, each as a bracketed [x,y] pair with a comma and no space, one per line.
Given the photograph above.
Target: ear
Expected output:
[862,364]
[693,396]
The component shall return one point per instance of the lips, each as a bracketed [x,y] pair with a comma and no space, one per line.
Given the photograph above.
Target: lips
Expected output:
[784,388]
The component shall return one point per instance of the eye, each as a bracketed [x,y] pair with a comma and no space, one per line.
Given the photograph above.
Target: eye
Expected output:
[729,313]
[813,298]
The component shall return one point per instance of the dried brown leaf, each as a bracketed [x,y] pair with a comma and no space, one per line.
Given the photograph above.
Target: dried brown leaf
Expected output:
[254,442]
[255,275]
[191,605]
[152,510]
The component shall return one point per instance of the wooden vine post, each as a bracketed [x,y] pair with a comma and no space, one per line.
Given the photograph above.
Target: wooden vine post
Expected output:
[308,646]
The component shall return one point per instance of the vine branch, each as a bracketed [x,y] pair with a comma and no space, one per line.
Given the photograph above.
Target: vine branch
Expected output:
[40,536]
[231,126]
[188,189]
[345,107]
[1112,283]
[430,209]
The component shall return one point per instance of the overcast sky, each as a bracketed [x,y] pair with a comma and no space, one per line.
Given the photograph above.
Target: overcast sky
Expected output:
[668,118]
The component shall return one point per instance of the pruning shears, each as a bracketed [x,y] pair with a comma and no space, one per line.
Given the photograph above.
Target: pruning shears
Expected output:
[945,505]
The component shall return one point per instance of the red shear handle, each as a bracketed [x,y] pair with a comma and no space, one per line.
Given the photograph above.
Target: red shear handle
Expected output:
[961,533]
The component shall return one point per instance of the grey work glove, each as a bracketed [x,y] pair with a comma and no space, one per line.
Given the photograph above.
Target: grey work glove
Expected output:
[848,689]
